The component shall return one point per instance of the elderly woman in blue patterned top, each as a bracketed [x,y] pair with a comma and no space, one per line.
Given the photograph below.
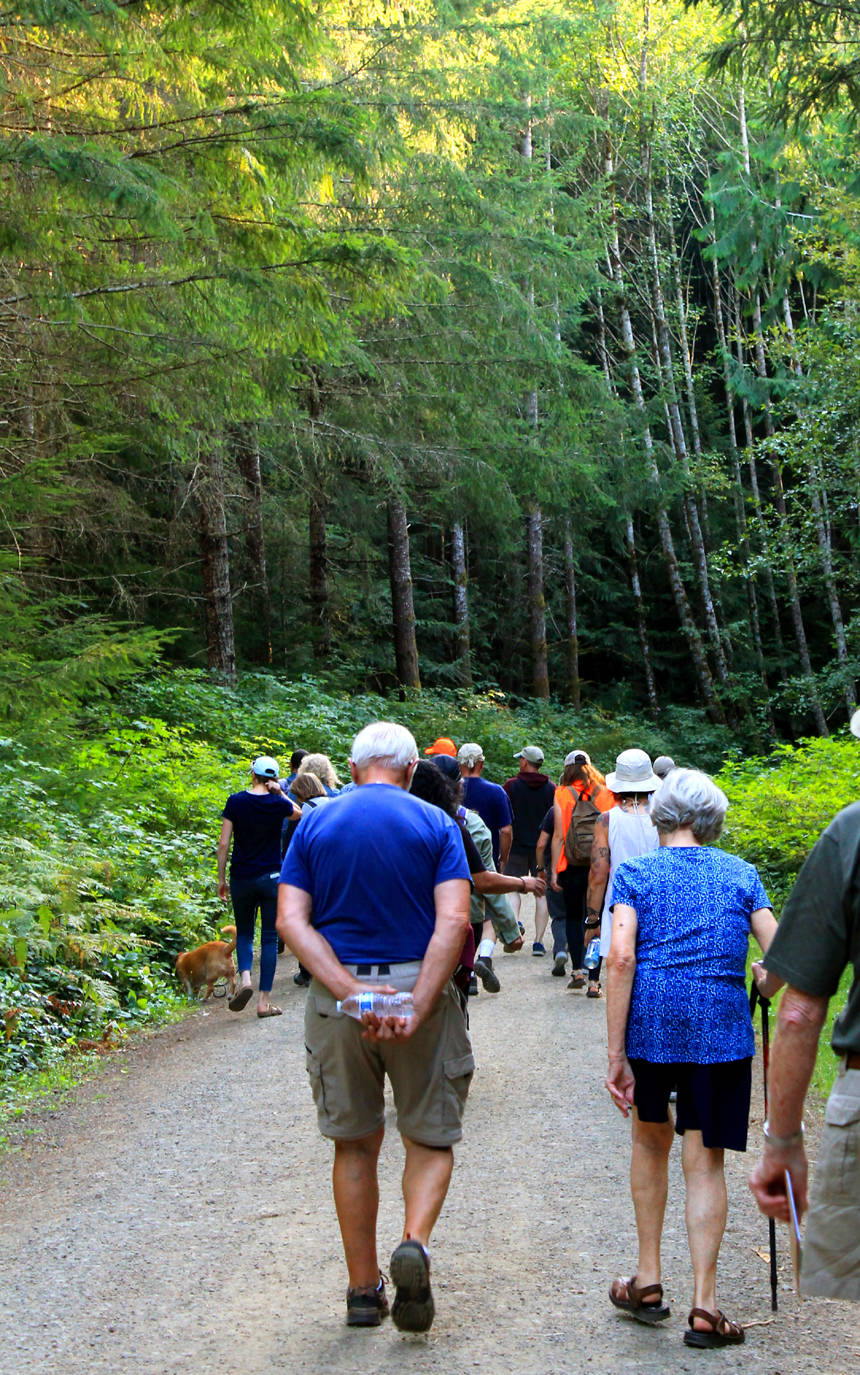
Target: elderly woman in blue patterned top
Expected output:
[678,1018]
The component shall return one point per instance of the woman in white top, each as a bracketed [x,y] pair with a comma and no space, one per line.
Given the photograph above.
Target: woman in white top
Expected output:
[623,833]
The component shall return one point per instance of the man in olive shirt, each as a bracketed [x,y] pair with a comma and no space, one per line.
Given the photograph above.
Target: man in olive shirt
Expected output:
[818,936]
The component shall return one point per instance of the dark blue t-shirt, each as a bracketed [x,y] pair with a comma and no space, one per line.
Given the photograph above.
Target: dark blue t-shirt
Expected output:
[257,819]
[492,805]
[371,864]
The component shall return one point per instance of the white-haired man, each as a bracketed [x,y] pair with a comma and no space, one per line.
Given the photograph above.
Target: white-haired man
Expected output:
[375,893]
[488,799]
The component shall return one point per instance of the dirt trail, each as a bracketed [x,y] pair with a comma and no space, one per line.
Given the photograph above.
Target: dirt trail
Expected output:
[176,1216]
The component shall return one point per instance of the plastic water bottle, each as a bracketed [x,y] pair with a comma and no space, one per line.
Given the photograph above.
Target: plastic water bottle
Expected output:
[592,954]
[382,1004]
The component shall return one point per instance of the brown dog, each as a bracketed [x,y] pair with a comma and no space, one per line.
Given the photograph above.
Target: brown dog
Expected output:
[207,964]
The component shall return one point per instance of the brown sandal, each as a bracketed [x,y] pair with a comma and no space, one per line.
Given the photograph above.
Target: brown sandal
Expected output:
[626,1295]
[723,1331]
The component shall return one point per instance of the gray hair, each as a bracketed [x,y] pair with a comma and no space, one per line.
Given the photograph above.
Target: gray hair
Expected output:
[687,797]
[386,744]
[321,765]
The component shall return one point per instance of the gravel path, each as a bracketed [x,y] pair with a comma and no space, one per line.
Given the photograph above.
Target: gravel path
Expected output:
[176,1216]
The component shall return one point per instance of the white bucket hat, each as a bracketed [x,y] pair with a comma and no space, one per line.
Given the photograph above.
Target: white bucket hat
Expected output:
[633,774]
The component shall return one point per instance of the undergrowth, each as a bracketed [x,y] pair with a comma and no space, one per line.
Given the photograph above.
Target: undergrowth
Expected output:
[108,828]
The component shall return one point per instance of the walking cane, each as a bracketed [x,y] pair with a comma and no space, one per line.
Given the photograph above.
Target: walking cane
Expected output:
[765,1056]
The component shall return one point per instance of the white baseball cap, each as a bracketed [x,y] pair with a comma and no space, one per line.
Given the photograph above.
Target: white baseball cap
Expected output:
[264,766]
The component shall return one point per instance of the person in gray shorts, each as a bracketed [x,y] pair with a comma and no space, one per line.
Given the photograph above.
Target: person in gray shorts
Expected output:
[375,894]
[817,938]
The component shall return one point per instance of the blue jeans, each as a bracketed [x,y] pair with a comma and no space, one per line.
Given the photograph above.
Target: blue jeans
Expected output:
[248,895]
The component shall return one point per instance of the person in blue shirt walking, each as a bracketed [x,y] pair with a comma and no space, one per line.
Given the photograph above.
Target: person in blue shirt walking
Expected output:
[375,894]
[679,1018]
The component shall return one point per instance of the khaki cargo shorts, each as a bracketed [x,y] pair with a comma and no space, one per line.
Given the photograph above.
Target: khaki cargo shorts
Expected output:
[430,1074]
[831,1246]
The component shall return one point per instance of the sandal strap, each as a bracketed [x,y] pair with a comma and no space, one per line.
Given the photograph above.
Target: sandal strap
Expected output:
[715,1320]
[637,1294]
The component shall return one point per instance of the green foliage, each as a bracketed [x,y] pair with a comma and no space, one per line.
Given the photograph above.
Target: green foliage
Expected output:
[108,832]
[782,803]
[779,807]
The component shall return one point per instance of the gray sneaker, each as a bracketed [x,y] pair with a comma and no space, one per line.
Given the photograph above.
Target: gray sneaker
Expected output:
[413,1309]
[488,976]
[559,966]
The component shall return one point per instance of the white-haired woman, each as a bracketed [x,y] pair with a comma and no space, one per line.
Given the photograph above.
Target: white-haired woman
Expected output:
[624,832]
[323,768]
[678,1018]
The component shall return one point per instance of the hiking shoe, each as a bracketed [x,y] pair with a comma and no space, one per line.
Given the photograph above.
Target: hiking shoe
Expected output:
[538,948]
[473,986]
[413,1309]
[301,979]
[559,966]
[366,1307]
[488,976]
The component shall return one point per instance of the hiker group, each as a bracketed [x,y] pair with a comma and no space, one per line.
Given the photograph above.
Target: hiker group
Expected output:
[404,881]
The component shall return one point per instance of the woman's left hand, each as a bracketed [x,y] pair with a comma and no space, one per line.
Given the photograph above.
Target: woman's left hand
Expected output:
[620,1082]
[766,981]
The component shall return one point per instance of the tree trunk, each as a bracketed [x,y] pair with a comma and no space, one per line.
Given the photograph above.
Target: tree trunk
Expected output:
[574,687]
[818,501]
[782,511]
[461,602]
[666,370]
[679,595]
[537,604]
[740,511]
[318,568]
[402,608]
[763,533]
[779,494]
[641,624]
[247,452]
[215,566]
[632,561]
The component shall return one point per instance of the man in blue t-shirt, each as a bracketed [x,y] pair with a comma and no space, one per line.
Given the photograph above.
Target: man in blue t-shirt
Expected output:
[487,799]
[375,894]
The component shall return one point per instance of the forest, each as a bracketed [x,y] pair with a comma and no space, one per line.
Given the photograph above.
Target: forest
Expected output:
[449,344]
[477,363]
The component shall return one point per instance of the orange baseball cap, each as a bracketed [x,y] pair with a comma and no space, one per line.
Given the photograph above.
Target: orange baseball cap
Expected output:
[442,746]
